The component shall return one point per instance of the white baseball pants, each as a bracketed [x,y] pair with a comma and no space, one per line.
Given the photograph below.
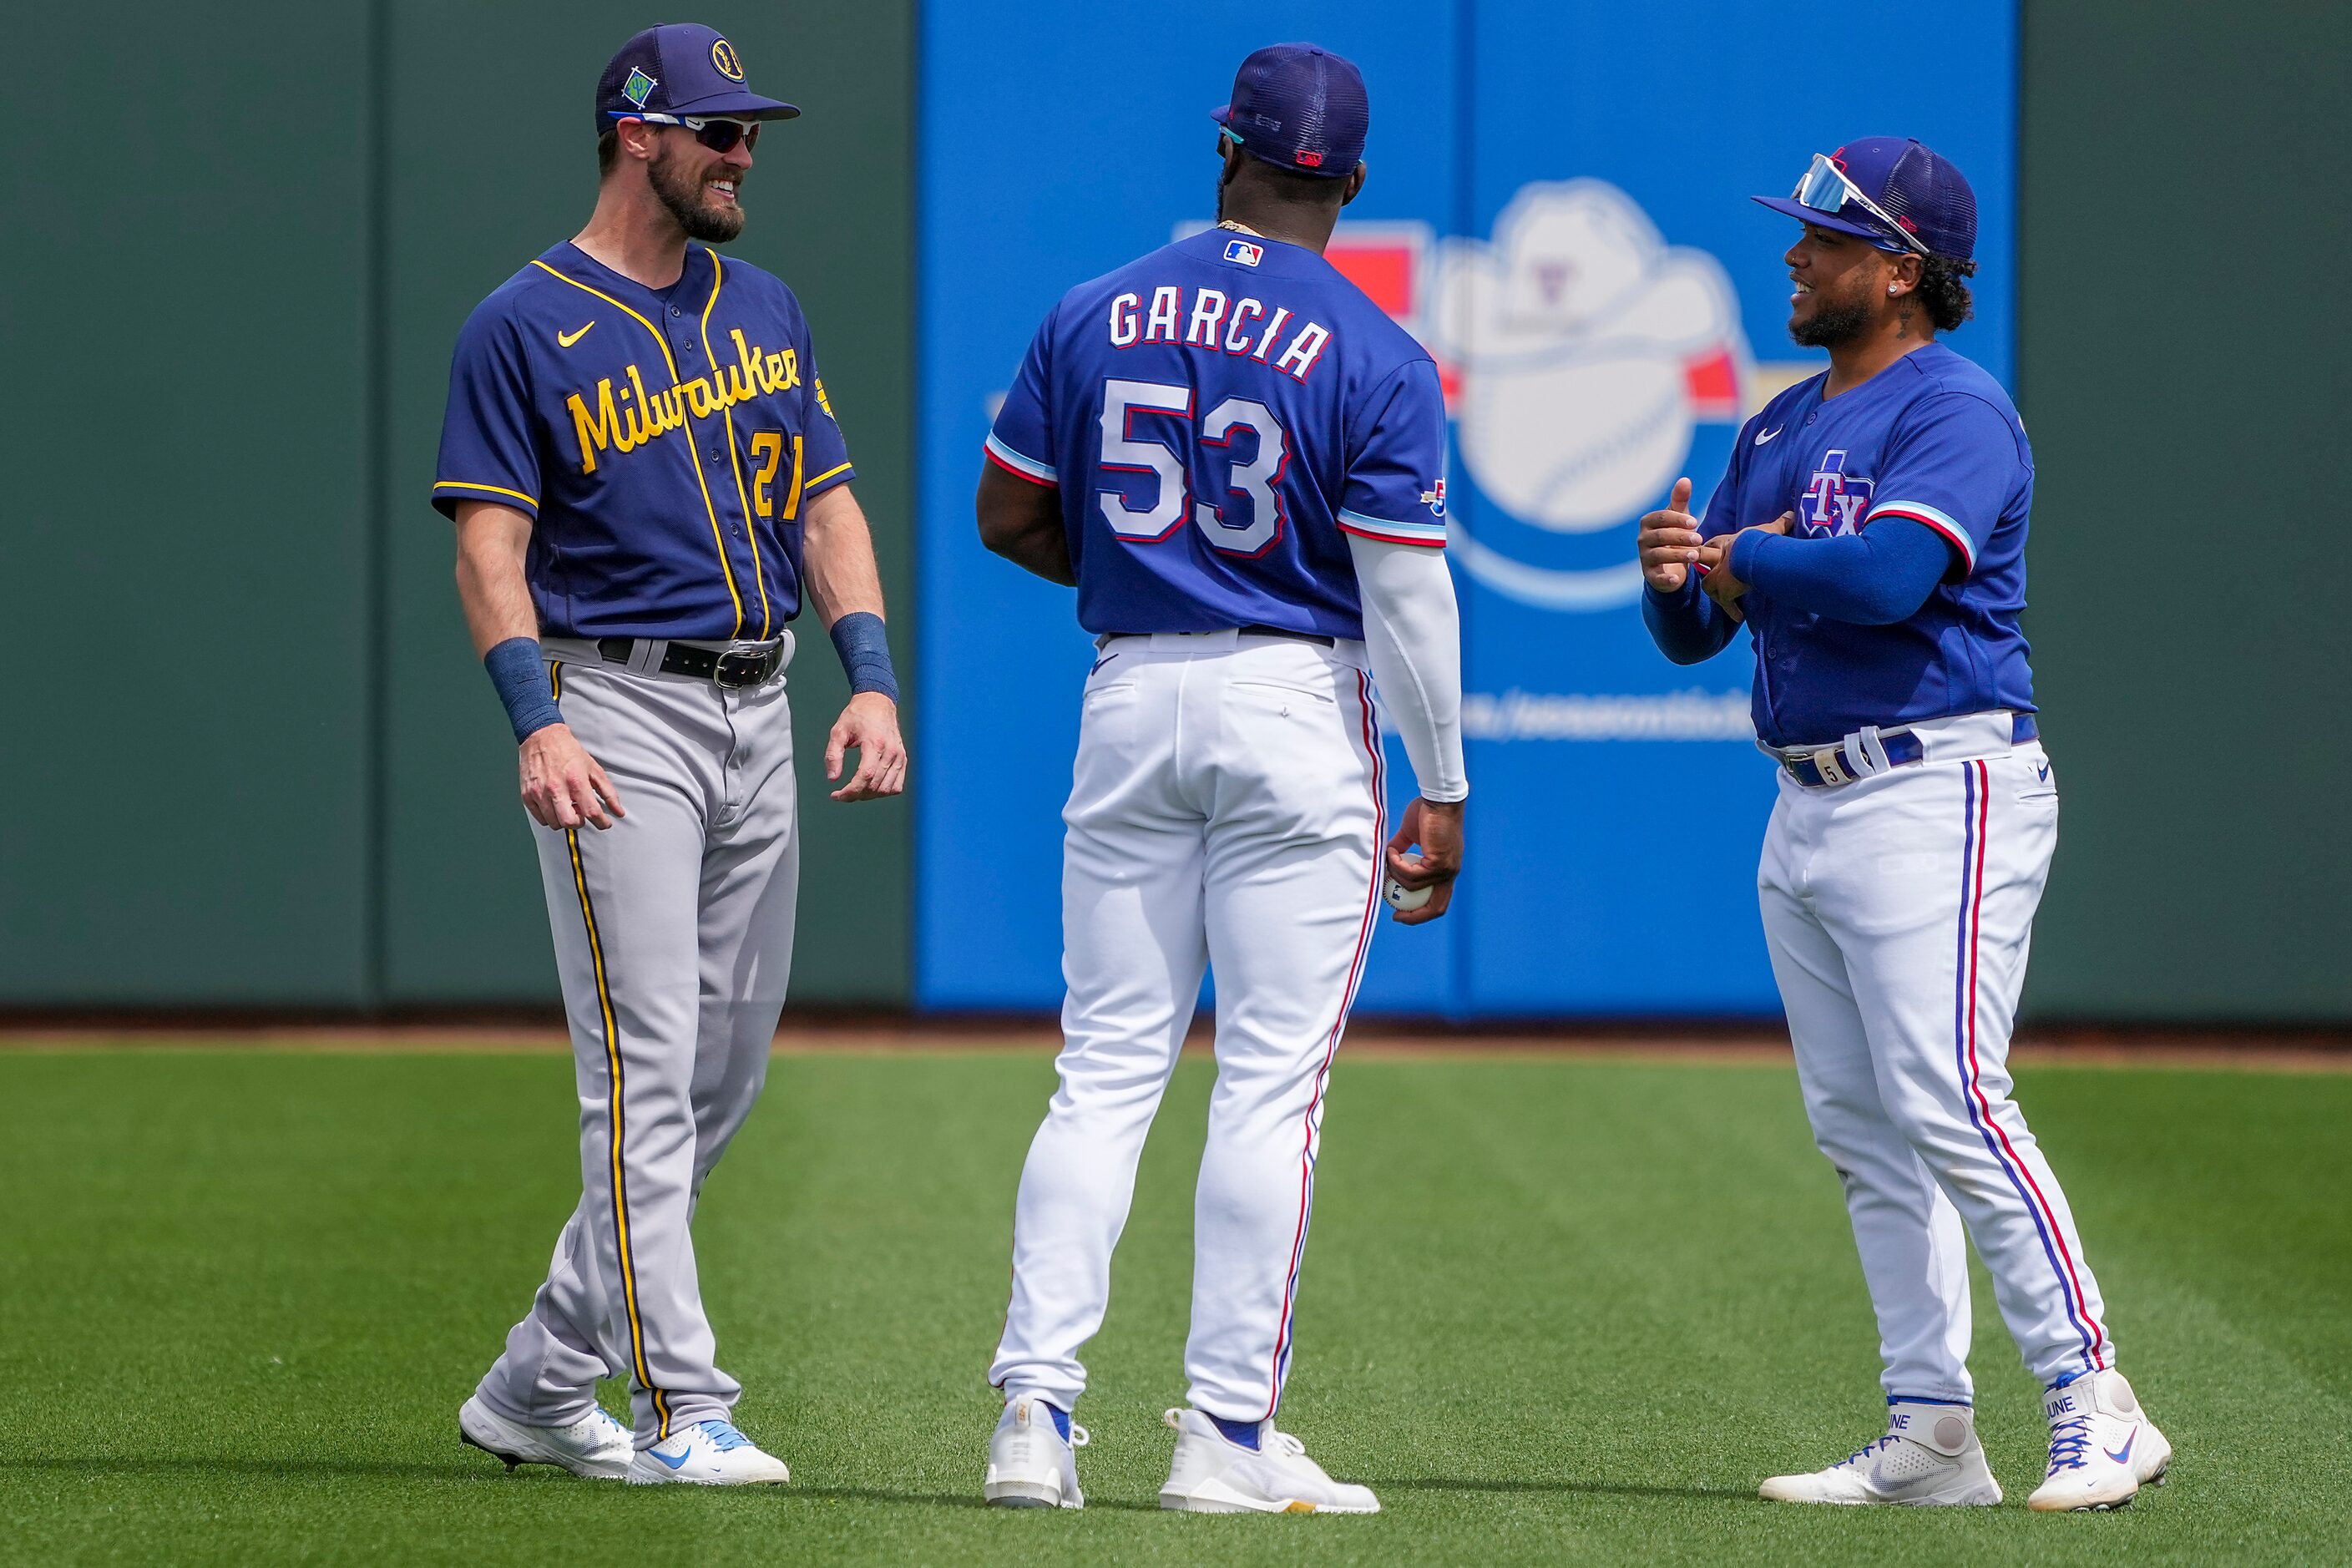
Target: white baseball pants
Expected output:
[673,938]
[1226,811]
[1898,910]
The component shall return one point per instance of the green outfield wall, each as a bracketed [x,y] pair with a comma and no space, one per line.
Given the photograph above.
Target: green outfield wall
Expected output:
[2182,376]
[250,758]
[832,214]
[250,762]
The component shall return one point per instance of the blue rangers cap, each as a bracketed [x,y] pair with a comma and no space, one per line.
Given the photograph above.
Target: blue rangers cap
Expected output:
[1300,108]
[678,69]
[1894,191]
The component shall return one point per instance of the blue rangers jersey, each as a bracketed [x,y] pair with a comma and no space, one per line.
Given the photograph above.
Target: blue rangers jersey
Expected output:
[1932,438]
[666,443]
[1216,415]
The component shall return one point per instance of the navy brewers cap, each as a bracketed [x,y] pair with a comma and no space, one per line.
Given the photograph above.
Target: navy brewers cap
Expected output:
[1896,193]
[680,68]
[1300,108]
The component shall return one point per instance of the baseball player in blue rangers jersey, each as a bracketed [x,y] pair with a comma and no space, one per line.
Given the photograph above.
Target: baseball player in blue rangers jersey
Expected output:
[646,477]
[1871,531]
[1237,458]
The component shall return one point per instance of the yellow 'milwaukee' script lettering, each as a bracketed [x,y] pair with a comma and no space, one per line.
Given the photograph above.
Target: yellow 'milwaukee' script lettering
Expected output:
[628,418]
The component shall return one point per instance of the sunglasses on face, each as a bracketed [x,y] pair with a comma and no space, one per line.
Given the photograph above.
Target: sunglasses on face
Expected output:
[718,135]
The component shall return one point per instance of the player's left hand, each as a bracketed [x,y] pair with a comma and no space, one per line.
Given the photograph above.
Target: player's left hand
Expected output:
[1436,828]
[869,726]
[1715,564]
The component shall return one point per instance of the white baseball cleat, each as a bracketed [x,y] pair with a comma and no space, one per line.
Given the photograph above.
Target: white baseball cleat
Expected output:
[708,1454]
[1212,1474]
[1030,1463]
[1929,1458]
[2102,1447]
[595,1445]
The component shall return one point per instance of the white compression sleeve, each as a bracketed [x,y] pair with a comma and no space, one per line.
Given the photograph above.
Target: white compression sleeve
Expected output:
[1412,630]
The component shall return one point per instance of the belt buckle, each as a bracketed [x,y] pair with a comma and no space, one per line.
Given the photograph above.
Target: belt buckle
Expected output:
[737,668]
[1828,763]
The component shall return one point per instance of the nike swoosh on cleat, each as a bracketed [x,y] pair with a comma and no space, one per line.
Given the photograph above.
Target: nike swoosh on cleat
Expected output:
[676,1464]
[565,340]
[2123,1458]
[1764,435]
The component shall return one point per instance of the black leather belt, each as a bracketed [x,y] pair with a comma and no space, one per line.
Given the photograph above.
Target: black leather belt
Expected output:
[1316,637]
[733,669]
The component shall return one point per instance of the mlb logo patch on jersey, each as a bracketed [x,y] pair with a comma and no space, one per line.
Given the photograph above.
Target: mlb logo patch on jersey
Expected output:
[1243,251]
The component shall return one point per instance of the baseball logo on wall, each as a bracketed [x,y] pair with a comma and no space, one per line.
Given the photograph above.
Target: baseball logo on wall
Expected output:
[1588,363]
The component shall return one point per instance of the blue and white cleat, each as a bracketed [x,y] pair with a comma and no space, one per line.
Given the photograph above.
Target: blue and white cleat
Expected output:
[2102,1447]
[1929,1457]
[1030,1462]
[708,1454]
[595,1445]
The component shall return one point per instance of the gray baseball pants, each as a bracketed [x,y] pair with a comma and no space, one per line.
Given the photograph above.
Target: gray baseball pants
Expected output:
[673,938]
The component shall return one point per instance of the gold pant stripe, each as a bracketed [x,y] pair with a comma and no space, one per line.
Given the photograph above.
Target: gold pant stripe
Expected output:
[618,1137]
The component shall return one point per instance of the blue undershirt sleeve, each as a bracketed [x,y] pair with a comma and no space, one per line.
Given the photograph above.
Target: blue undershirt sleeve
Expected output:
[1688,626]
[1874,577]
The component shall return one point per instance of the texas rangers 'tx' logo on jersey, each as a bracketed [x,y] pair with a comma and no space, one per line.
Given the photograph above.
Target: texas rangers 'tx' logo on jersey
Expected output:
[1835,502]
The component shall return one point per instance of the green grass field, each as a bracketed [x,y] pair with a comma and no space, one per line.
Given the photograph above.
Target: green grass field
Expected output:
[1555,1309]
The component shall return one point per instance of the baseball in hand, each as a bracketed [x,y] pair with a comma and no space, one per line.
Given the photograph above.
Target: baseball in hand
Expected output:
[1403,899]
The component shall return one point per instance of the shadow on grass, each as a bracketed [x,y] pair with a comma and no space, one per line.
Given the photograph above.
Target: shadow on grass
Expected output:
[461,1470]
[1594,1488]
[456,1471]
[941,1499]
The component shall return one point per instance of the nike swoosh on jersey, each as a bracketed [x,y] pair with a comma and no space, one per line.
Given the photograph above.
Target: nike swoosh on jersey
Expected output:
[565,340]
[1761,436]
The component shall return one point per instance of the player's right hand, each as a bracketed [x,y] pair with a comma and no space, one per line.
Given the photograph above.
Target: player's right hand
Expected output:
[1669,541]
[1436,828]
[561,785]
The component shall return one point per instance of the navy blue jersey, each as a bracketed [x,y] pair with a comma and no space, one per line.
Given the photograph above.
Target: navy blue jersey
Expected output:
[1216,415]
[664,442]
[1932,438]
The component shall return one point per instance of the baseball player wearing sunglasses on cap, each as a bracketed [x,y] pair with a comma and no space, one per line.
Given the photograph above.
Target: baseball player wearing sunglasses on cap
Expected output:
[1870,533]
[649,483]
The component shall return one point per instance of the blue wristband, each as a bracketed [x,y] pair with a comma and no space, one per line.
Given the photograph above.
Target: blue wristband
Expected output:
[520,675]
[864,644]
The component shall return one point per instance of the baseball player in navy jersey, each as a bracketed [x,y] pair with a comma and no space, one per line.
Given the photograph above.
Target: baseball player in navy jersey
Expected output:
[1236,458]
[647,480]
[1870,530]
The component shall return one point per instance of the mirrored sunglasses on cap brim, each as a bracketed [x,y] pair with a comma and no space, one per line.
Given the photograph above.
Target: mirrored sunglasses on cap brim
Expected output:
[1825,189]
[718,135]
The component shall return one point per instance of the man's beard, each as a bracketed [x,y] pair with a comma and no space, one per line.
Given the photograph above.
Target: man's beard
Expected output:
[1832,324]
[683,195]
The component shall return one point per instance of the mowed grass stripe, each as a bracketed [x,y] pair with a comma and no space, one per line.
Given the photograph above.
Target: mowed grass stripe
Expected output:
[1555,1309]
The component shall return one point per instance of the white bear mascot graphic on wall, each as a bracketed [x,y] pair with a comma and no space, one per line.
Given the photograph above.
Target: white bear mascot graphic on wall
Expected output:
[1585,352]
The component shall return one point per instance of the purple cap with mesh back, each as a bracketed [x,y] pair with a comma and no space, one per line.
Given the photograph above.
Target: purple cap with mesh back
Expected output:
[1300,108]
[1922,190]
